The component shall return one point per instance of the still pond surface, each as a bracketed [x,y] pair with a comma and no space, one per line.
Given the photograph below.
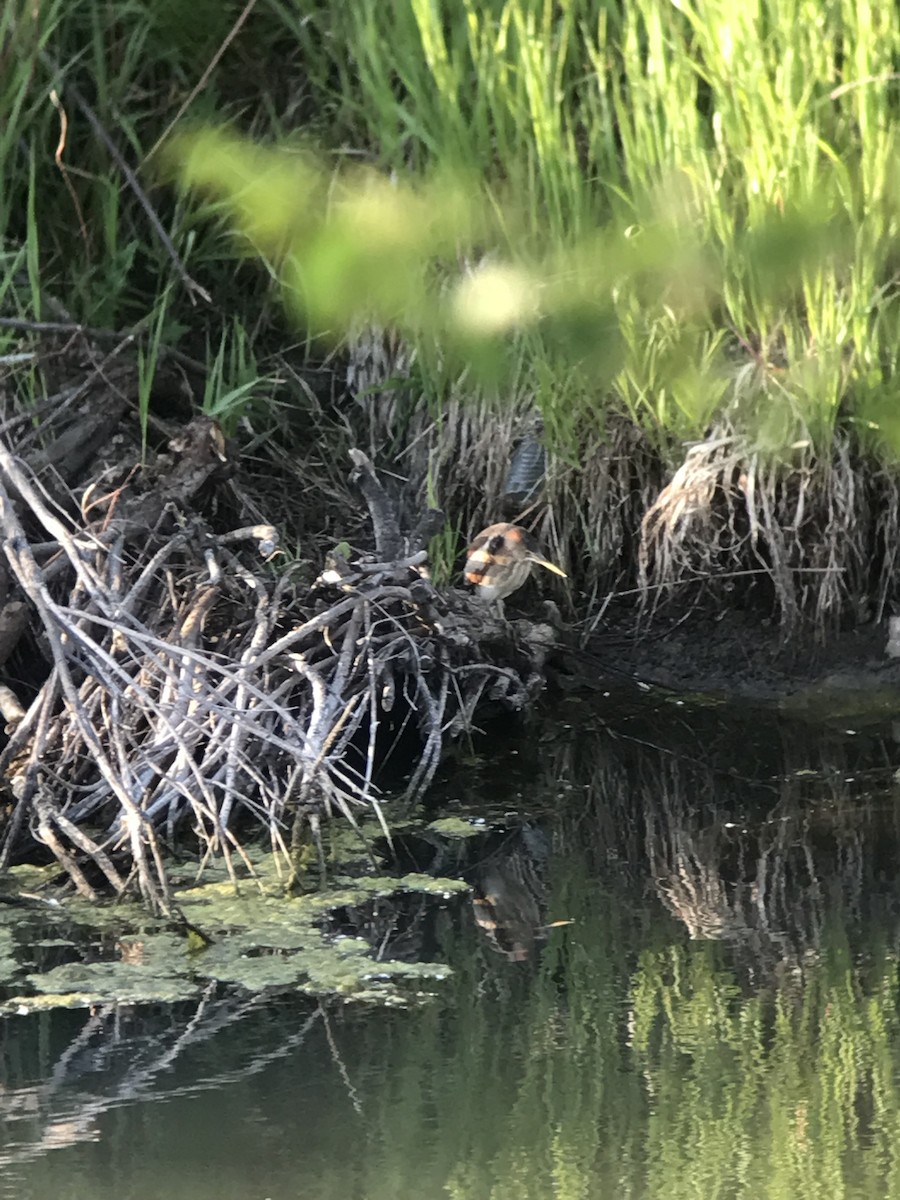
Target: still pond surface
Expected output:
[676,976]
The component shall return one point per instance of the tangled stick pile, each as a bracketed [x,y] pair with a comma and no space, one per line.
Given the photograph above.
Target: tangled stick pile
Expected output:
[189,688]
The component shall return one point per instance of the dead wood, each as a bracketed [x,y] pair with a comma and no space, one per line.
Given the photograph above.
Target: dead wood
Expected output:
[384,517]
[195,690]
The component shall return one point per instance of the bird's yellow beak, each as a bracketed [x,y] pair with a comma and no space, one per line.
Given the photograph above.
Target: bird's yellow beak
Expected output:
[543,562]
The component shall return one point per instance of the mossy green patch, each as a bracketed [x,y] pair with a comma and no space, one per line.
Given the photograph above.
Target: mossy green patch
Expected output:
[95,983]
[843,697]
[258,938]
[456,827]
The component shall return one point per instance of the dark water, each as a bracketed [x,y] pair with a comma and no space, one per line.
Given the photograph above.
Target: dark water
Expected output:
[717,1018]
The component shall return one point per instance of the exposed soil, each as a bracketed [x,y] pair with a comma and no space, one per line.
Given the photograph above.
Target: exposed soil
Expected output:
[738,655]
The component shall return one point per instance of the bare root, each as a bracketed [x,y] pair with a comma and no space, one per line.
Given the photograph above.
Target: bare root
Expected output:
[188,688]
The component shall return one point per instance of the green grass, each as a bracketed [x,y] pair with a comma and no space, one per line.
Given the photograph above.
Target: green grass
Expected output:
[695,207]
[760,142]
[76,243]
[753,151]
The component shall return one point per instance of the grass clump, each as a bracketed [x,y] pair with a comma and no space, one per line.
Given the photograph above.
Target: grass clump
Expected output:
[695,207]
[678,220]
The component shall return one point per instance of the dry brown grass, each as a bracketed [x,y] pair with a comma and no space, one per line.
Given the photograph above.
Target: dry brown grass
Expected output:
[815,531]
[812,539]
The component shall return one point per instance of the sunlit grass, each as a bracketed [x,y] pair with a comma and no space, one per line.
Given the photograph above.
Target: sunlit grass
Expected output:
[762,137]
[680,216]
[761,140]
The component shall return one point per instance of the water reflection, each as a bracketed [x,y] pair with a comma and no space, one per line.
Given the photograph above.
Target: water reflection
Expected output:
[509,892]
[721,1019]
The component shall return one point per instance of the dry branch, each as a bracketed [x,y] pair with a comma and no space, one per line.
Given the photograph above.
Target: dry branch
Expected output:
[193,691]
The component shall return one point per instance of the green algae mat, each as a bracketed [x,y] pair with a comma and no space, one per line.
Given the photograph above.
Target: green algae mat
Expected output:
[60,951]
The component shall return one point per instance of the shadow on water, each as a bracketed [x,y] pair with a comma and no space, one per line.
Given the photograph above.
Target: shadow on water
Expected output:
[676,975]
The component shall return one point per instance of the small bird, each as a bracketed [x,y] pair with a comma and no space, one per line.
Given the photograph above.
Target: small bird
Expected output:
[500,560]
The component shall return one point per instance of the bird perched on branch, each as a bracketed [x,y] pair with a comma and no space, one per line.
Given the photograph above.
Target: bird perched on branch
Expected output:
[500,560]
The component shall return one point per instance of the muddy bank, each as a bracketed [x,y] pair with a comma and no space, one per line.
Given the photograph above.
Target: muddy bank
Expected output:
[741,656]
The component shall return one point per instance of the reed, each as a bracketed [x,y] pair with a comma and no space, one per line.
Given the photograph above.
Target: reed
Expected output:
[704,201]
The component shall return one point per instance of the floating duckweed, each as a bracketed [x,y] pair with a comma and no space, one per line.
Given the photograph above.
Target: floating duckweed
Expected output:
[258,939]
[455,827]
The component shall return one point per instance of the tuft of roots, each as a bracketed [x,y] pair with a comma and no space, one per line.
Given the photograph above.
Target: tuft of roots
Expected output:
[818,539]
[809,536]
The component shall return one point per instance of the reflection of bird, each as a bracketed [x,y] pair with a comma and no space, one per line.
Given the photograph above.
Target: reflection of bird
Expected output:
[508,912]
[500,560]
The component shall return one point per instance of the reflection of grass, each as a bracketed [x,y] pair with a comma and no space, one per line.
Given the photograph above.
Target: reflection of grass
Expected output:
[622,1059]
[788,1094]
[632,1062]
[552,1084]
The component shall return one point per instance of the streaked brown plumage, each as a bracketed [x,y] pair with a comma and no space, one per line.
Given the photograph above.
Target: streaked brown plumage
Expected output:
[500,560]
